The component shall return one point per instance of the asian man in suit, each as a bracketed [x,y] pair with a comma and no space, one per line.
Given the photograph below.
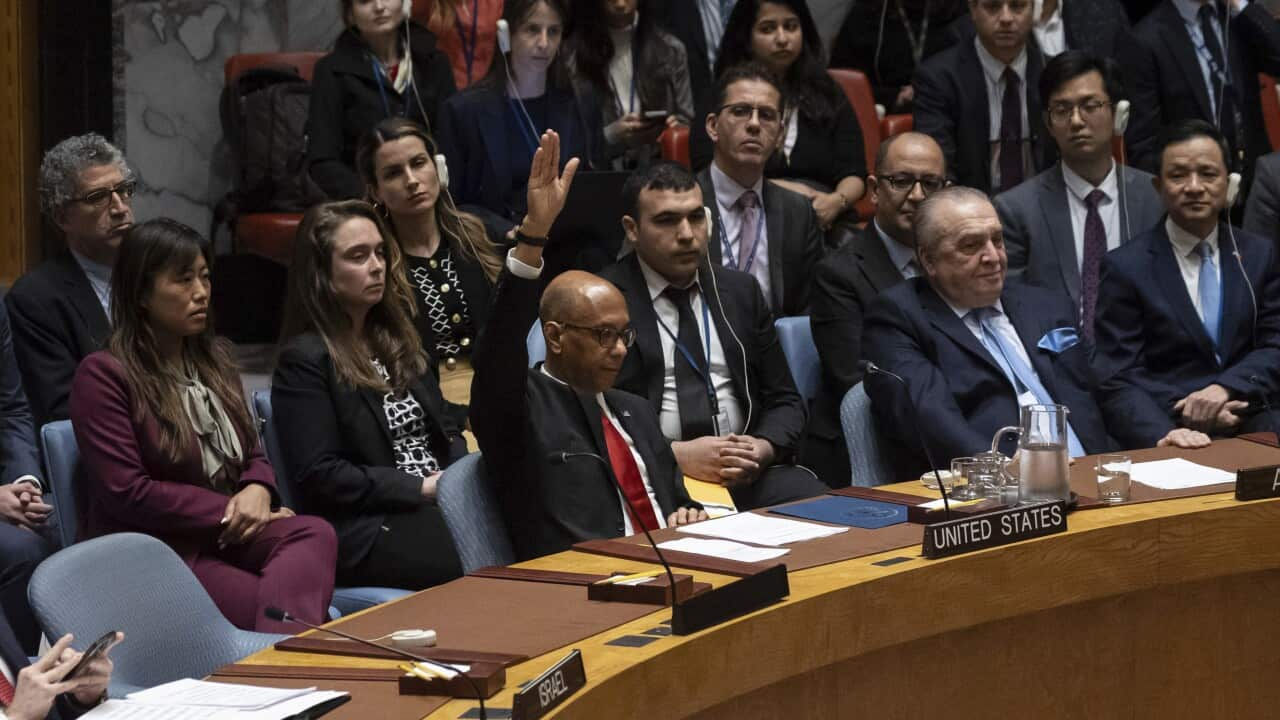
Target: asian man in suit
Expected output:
[40,690]
[980,100]
[1188,328]
[1059,224]
[527,419]
[761,228]
[909,167]
[971,348]
[707,357]
[59,310]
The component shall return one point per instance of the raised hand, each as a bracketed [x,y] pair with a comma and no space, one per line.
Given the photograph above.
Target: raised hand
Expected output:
[547,187]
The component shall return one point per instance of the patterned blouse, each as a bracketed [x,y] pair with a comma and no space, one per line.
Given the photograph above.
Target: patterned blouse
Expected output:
[440,299]
[407,422]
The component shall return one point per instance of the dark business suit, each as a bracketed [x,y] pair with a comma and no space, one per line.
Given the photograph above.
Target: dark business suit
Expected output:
[338,450]
[844,284]
[1097,27]
[1038,235]
[1152,348]
[57,320]
[962,395]
[1262,212]
[794,242]
[682,19]
[775,409]
[951,107]
[521,417]
[1166,85]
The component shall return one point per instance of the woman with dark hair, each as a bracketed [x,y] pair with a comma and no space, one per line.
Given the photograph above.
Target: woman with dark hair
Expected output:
[448,258]
[169,448]
[382,65]
[467,31]
[637,69]
[363,426]
[820,154]
[490,132]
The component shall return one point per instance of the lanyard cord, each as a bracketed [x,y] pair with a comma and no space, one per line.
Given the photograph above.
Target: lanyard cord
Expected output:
[468,49]
[705,374]
[755,246]
[917,42]
[532,138]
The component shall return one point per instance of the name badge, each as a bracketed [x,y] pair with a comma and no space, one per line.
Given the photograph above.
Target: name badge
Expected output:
[978,532]
[550,688]
[1258,483]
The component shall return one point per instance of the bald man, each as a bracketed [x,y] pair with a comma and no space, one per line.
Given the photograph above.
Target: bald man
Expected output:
[524,419]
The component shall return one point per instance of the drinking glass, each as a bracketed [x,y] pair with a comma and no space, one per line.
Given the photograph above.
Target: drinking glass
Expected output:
[960,470]
[1113,478]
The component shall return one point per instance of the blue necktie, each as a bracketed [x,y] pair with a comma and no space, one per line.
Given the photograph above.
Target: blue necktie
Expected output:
[1020,375]
[1210,292]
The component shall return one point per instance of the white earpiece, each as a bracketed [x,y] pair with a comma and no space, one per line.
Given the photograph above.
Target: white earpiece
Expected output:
[1233,189]
[711,221]
[406,9]
[1122,117]
[442,170]
[504,36]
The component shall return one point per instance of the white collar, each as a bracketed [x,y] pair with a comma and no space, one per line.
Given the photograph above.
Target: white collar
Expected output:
[1054,21]
[961,312]
[656,282]
[900,255]
[1184,243]
[92,268]
[994,69]
[728,190]
[1081,188]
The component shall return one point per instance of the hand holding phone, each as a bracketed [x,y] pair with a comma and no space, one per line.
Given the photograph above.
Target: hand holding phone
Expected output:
[95,651]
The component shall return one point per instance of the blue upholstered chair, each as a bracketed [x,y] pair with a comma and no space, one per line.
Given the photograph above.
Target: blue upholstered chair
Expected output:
[61,459]
[796,339]
[346,600]
[870,467]
[472,514]
[536,344]
[136,583]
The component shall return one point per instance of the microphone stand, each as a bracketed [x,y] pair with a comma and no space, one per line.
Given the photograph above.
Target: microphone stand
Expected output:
[872,368]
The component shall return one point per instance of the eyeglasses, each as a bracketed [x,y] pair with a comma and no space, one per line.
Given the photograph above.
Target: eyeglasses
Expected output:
[1060,113]
[904,183]
[608,336]
[742,112]
[99,199]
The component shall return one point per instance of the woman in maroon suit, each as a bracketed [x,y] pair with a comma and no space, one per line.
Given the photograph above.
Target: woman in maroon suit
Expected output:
[169,448]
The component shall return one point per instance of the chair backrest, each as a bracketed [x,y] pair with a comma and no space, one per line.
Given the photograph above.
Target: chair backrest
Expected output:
[896,125]
[470,507]
[137,584]
[271,446]
[536,344]
[675,144]
[796,338]
[61,458]
[858,89]
[305,62]
[870,468]
[1270,108]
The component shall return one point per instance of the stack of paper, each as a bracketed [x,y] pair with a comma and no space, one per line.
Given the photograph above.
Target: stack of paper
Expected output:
[1177,474]
[724,549]
[189,699]
[760,529]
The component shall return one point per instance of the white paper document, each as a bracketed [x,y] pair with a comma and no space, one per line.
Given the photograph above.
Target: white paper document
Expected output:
[1178,474]
[724,549]
[189,699]
[215,694]
[761,529]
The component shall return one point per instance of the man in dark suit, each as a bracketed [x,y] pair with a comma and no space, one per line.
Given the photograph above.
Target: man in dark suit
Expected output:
[1059,224]
[1262,212]
[972,349]
[1188,335]
[1095,26]
[40,690]
[1175,72]
[980,101]
[525,420]
[908,168]
[699,24]
[760,228]
[60,309]
[707,357]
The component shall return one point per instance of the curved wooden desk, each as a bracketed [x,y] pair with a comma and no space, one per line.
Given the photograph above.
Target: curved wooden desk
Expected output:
[1163,609]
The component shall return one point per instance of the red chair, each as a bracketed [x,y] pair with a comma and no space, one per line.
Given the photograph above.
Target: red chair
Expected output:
[895,125]
[269,235]
[1270,108]
[675,144]
[858,89]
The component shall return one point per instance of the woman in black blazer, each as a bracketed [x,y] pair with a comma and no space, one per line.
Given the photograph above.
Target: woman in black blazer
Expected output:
[383,65]
[363,427]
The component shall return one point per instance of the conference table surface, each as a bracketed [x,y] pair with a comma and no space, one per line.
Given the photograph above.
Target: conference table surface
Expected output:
[1151,609]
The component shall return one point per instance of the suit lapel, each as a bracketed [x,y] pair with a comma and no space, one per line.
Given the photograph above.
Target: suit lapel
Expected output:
[945,320]
[874,261]
[641,438]
[1057,218]
[709,201]
[645,320]
[1236,308]
[1024,321]
[373,403]
[977,120]
[774,224]
[498,143]
[719,318]
[1179,44]
[84,299]
[1169,277]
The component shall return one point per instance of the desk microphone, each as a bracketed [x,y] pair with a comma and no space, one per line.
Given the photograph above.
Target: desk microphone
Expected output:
[866,366]
[275,613]
[561,458]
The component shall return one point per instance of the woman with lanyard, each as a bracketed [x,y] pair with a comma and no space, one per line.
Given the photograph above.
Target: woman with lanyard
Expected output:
[619,52]
[449,261]
[467,31]
[821,155]
[382,65]
[490,131]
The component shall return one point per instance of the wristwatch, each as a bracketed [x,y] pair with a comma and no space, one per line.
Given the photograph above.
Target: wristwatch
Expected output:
[527,240]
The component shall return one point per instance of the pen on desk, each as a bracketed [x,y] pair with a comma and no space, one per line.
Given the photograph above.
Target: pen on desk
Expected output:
[614,579]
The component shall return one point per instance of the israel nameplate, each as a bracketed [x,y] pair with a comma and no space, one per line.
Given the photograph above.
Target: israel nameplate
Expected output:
[978,532]
[550,688]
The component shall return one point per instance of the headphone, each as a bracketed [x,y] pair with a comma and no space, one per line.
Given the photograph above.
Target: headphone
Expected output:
[711,221]
[406,9]
[1233,189]
[442,170]
[1122,117]
[504,35]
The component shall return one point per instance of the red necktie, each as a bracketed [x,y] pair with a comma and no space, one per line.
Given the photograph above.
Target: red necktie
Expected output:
[628,474]
[6,692]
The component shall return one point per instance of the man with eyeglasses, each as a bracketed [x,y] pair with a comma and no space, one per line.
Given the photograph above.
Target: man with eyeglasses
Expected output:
[909,168]
[980,101]
[1059,224]
[707,356]
[760,228]
[536,427]
[60,310]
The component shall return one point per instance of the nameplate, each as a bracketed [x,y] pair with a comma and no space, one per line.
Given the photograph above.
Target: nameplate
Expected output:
[955,537]
[550,688]
[1257,483]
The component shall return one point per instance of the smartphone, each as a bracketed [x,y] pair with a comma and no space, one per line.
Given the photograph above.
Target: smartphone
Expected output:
[655,114]
[94,651]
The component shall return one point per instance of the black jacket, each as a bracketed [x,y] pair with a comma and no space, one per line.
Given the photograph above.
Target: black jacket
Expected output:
[338,449]
[57,321]
[521,416]
[347,100]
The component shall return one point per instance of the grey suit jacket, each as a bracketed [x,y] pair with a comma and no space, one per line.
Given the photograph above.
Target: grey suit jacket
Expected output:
[1262,212]
[1037,226]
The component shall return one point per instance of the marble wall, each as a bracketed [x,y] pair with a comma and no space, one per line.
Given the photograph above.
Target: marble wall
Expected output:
[169,75]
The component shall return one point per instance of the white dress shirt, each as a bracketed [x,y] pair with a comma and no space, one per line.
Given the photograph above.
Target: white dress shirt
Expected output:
[99,279]
[621,70]
[993,74]
[1108,210]
[730,417]
[902,257]
[1189,10]
[1184,249]
[730,230]
[1051,34]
